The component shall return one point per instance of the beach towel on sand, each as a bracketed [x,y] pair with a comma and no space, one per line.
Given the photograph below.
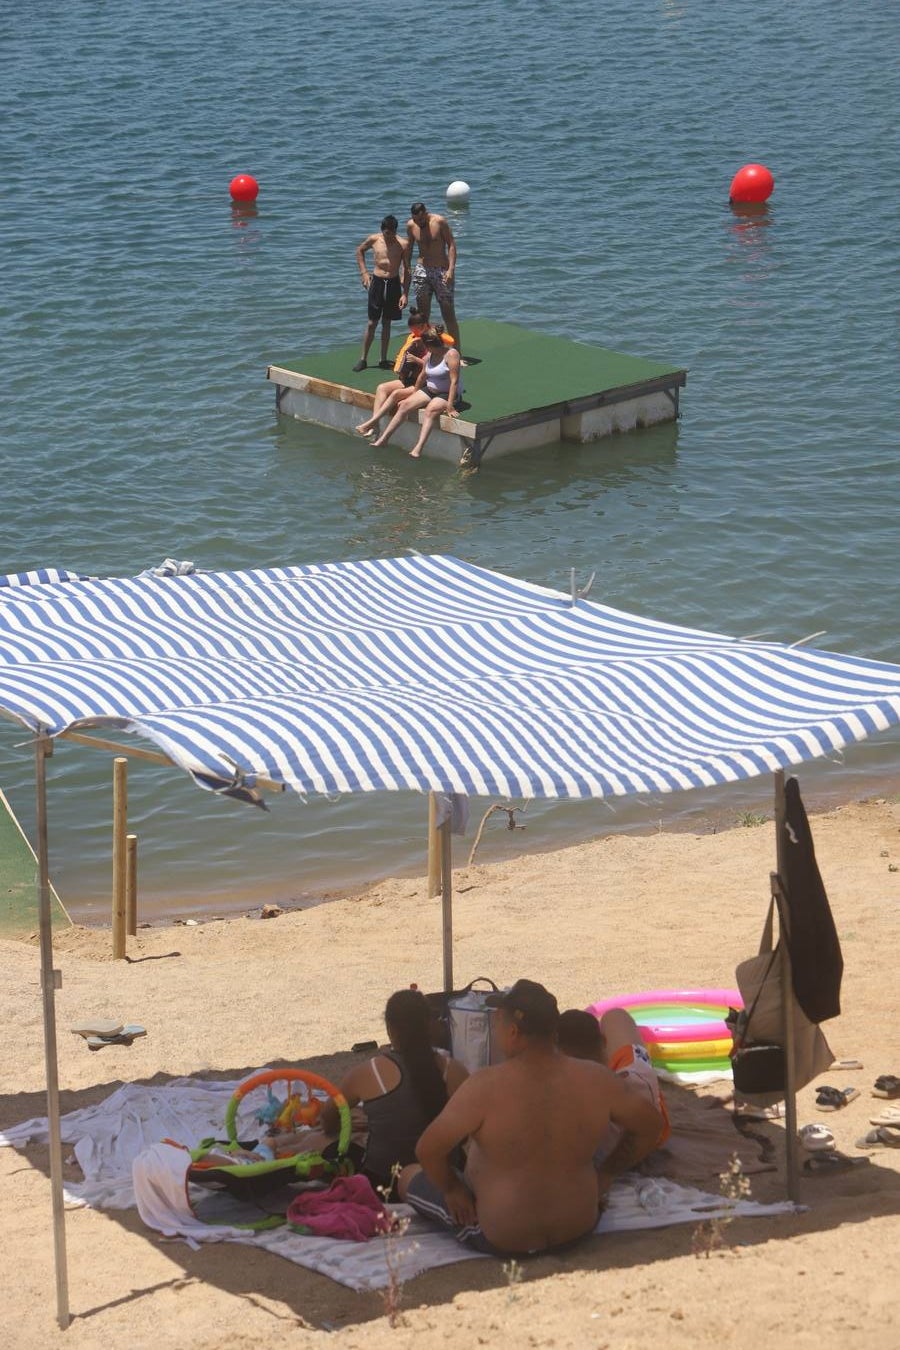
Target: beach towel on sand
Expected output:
[635,1202]
[118,1143]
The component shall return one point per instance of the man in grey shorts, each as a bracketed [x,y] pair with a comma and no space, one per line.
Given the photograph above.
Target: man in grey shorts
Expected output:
[532,1123]
[435,270]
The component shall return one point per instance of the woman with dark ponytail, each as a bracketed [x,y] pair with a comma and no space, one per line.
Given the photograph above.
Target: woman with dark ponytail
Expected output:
[400,1089]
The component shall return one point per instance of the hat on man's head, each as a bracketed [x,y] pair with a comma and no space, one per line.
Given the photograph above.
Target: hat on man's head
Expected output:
[530,1006]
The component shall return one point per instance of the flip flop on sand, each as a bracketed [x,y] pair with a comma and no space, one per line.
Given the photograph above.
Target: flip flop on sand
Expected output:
[100,1026]
[889,1116]
[747,1111]
[816,1138]
[883,1137]
[887,1085]
[832,1098]
[847,1064]
[822,1164]
[125,1037]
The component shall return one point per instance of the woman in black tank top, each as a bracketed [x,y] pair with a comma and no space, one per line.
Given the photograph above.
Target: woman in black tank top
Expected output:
[402,1089]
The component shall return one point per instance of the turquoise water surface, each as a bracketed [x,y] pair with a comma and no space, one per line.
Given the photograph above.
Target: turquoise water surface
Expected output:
[139,310]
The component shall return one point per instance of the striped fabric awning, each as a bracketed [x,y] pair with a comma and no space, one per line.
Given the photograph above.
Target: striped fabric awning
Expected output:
[39,576]
[423,673]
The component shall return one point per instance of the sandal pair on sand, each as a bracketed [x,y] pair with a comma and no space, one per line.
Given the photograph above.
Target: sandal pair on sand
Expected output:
[832,1098]
[824,1164]
[886,1133]
[819,1141]
[883,1136]
[101,1032]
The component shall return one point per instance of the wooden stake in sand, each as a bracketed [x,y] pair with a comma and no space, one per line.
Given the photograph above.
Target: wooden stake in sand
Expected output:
[120,855]
[434,849]
[447,901]
[131,885]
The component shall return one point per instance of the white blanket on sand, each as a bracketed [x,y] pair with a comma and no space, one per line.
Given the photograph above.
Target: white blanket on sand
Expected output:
[118,1144]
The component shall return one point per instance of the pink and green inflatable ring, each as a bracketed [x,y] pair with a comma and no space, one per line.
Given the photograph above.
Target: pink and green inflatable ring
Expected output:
[683,1029]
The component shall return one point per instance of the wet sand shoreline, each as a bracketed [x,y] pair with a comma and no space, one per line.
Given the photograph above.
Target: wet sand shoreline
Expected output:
[753,812]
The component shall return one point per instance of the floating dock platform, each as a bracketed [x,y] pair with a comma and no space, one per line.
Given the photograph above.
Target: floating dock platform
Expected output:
[521,390]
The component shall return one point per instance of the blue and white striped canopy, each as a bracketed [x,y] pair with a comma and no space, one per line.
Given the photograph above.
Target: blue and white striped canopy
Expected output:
[39,576]
[423,673]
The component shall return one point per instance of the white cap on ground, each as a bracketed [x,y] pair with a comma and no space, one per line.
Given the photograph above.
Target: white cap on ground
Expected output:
[458,192]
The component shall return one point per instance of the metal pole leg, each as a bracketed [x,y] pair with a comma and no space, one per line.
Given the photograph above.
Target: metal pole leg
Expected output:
[50,982]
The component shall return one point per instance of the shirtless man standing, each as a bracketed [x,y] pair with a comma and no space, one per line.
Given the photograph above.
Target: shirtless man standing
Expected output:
[387,293]
[533,1123]
[436,266]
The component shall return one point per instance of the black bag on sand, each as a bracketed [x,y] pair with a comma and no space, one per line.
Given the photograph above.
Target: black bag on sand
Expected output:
[759,1069]
[760,1066]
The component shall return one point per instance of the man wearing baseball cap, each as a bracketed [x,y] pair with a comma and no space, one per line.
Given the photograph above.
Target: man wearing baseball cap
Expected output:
[532,1124]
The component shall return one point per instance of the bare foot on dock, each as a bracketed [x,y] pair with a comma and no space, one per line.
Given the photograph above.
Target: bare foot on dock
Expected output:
[415,454]
[363,430]
[380,443]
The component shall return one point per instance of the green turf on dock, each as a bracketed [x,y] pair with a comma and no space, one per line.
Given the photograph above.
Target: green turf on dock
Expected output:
[19,898]
[516,370]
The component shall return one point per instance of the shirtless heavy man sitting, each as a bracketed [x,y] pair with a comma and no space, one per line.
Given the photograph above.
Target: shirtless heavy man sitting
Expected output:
[533,1123]
[435,268]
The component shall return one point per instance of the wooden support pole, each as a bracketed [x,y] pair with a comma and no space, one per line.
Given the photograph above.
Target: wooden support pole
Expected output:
[51,980]
[131,885]
[434,849]
[787,998]
[151,756]
[446,856]
[119,856]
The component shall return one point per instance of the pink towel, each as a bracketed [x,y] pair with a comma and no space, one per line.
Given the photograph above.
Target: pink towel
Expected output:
[349,1209]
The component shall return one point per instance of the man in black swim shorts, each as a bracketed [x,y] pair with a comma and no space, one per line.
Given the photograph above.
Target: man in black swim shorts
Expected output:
[387,290]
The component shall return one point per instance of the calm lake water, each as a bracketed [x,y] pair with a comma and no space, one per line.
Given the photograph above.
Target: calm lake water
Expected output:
[139,310]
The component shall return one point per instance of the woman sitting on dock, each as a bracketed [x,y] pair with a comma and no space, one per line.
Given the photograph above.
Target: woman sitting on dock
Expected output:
[438,390]
[409,362]
[387,396]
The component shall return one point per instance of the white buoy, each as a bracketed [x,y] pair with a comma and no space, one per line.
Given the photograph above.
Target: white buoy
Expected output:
[458,193]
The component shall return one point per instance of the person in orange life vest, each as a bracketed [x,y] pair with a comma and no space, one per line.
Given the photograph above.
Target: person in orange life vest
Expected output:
[409,362]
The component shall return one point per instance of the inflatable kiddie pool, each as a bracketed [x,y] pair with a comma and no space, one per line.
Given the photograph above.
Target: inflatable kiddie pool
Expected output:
[684,1030]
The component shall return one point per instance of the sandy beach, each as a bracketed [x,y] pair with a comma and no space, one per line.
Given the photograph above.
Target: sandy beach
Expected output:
[611,916]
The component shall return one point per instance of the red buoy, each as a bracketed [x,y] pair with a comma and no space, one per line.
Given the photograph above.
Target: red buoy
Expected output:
[244,188]
[752,183]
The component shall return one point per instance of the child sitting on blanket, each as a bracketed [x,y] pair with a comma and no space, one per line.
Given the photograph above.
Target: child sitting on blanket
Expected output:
[614,1041]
